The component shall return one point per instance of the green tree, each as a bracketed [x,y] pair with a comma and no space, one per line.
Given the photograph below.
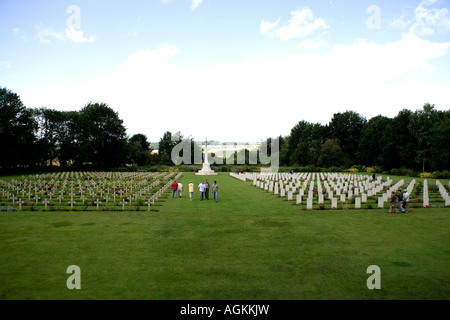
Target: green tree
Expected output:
[17,131]
[300,146]
[440,146]
[314,152]
[398,145]
[347,128]
[67,124]
[166,144]
[101,137]
[421,127]
[141,139]
[51,134]
[140,152]
[284,156]
[331,154]
[370,146]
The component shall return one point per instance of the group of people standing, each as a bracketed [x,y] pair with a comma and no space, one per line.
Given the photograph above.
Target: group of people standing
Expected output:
[399,201]
[203,188]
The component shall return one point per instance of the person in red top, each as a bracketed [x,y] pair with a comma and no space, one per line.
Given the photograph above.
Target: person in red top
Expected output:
[175,188]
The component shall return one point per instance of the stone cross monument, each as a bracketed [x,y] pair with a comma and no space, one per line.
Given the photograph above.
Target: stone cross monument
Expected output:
[206,169]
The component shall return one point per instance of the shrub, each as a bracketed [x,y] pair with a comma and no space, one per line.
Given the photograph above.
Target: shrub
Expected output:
[441,174]
[310,168]
[406,172]
[426,175]
[360,168]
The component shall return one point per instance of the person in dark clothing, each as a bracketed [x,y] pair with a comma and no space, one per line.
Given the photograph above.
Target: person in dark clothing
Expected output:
[393,203]
[207,186]
[400,201]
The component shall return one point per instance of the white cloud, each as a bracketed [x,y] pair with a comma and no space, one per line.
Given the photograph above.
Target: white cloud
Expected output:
[145,64]
[267,26]
[311,45]
[45,34]
[262,97]
[265,94]
[5,65]
[17,32]
[302,24]
[425,20]
[77,35]
[195,4]
[131,34]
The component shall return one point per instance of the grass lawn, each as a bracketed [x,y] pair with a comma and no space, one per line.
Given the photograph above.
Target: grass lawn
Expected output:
[250,245]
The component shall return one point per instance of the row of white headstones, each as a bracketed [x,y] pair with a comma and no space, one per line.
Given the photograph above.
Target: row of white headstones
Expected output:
[337,186]
[97,187]
[442,191]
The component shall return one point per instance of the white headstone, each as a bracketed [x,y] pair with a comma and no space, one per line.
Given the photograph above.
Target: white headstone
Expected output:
[426,201]
[364,198]
[320,198]
[334,203]
[289,195]
[358,203]
[380,202]
[309,203]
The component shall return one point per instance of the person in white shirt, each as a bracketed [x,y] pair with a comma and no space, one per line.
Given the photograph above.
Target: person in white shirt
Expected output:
[201,188]
[180,189]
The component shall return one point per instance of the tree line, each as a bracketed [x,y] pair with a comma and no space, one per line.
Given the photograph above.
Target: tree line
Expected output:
[92,138]
[95,138]
[416,140]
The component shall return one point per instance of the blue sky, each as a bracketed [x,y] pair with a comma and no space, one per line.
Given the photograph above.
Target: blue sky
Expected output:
[230,70]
